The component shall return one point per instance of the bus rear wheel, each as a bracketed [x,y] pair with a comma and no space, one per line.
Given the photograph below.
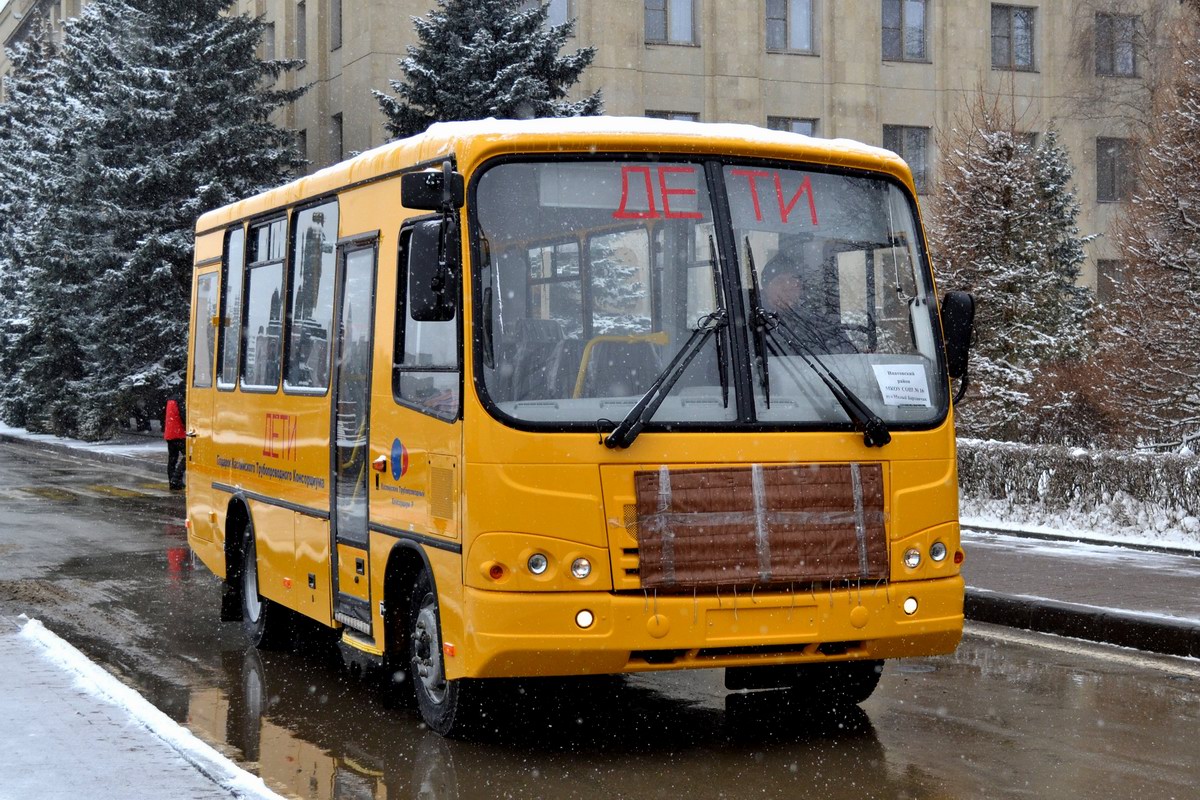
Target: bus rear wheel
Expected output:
[446,706]
[265,623]
[839,683]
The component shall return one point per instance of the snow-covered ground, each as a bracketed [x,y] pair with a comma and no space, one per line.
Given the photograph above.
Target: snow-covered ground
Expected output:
[1126,522]
[133,446]
[92,679]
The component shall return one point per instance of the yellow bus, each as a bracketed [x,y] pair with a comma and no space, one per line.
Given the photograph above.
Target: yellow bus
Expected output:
[582,396]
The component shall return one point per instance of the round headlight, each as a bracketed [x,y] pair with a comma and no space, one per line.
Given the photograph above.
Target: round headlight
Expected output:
[584,619]
[538,563]
[912,558]
[581,568]
[937,551]
[910,606]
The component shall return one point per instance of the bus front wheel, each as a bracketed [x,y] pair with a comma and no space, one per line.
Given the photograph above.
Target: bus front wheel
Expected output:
[444,704]
[265,622]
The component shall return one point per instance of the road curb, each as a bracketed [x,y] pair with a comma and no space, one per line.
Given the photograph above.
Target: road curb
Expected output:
[1110,626]
[141,465]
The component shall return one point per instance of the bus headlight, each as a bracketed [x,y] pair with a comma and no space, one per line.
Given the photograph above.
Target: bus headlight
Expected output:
[581,568]
[537,563]
[937,551]
[912,558]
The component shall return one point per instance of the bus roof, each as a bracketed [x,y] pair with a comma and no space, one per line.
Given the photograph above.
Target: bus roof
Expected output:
[471,141]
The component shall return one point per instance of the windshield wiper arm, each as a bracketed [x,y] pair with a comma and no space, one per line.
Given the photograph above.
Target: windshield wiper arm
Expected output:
[629,428]
[758,325]
[874,430]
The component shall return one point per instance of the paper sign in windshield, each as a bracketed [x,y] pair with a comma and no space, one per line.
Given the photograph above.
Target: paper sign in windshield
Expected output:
[903,384]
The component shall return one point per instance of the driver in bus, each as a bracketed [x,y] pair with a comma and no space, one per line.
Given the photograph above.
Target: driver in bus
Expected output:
[800,285]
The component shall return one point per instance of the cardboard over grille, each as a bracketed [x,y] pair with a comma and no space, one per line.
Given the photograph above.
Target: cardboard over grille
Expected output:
[761,524]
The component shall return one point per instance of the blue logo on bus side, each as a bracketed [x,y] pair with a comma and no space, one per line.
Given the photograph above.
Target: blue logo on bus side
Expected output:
[399,459]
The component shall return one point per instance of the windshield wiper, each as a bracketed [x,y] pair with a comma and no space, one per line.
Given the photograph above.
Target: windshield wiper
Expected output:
[767,326]
[629,428]
[758,326]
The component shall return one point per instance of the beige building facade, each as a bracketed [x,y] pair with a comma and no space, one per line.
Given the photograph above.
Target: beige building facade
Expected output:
[897,73]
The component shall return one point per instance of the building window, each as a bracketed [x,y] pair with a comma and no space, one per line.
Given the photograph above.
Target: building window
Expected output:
[912,144]
[301,31]
[670,22]
[685,116]
[1115,50]
[1110,274]
[301,144]
[904,30]
[335,24]
[803,125]
[267,46]
[790,25]
[1012,37]
[1114,175]
[335,136]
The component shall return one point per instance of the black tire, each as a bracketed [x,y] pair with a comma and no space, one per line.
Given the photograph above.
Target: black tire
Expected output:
[266,624]
[840,683]
[447,707]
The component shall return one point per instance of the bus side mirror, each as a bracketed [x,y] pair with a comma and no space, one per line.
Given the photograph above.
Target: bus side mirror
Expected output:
[433,270]
[432,190]
[958,322]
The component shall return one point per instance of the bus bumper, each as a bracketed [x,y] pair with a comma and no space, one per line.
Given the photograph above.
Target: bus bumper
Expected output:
[537,634]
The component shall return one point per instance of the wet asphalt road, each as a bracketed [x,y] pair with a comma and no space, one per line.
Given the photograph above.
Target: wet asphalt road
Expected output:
[99,555]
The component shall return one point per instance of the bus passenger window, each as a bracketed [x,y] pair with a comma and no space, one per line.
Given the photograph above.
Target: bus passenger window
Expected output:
[263,339]
[426,369]
[205,331]
[231,314]
[310,305]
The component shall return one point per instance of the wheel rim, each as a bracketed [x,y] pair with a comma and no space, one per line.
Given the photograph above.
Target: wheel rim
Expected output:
[250,600]
[427,652]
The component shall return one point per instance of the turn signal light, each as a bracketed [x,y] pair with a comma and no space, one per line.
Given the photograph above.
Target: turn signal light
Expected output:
[958,556]
[496,571]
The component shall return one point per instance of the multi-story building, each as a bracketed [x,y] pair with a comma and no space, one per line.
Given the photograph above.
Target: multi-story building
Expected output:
[900,73]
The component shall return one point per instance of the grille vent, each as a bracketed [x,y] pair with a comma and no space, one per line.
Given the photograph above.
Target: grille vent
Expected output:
[441,492]
[631,523]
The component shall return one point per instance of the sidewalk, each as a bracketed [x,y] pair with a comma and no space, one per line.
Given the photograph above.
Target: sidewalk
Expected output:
[143,452]
[75,731]
[1104,593]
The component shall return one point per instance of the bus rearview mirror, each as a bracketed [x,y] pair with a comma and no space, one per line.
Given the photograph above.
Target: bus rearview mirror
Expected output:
[433,270]
[958,322]
[432,190]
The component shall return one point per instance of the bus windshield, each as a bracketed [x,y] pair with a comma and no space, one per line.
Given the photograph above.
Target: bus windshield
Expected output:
[593,275]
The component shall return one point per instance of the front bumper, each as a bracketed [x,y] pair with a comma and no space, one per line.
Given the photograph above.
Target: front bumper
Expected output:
[535,634]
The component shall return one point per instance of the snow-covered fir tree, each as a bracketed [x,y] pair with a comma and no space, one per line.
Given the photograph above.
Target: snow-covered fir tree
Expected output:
[1005,229]
[1153,344]
[486,58]
[165,108]
[39,348]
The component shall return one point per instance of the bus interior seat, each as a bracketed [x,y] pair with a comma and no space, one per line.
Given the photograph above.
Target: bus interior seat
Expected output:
[534,343]
[620,369]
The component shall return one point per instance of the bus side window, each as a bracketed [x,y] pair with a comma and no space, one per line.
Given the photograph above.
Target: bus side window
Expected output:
[205,331]
[310,305]
[233,267]
[425,374]
[262,344]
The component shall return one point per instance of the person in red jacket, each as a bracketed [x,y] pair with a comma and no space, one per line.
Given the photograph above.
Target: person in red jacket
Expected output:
[174,433]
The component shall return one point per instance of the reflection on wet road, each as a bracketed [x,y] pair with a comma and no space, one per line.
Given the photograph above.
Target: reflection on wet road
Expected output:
[1010,715]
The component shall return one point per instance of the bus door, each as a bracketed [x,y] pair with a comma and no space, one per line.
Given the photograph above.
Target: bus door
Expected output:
[199,408]
[349,433]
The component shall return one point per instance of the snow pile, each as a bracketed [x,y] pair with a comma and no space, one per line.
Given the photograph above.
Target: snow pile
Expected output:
[1100,494]
[92,679]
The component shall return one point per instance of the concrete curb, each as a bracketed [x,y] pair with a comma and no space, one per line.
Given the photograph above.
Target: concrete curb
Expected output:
[1110,626]
[145,466]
